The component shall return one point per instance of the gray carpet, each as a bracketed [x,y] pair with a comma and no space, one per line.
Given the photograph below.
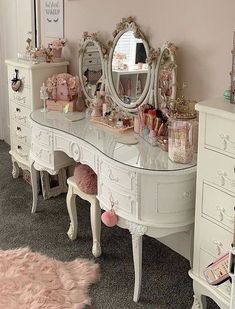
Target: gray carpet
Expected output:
[166,283]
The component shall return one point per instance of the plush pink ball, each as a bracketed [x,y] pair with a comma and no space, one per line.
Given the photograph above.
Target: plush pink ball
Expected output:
[85,178]
[109,218]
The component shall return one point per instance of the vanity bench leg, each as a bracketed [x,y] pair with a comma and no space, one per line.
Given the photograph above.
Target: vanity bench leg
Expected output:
[95,214]
[71,206]
[34,182]
[137,257]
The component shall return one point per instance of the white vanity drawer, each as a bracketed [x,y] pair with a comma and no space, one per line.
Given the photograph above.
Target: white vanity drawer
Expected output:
[41,136]
[23,74]
[218,169]
[21,150]
[218,205]
[88,56]
[123,202]
[42,155]
[116,176]
[21,133]
[88,62]
[20,114]
[206,259]
[220,134]
[21,97]
[213,238]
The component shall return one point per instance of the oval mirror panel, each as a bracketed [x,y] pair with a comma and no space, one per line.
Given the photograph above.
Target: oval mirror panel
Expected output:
[129,68]
[91,69]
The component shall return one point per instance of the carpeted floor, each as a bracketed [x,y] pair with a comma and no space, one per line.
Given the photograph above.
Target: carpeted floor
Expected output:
[166,283]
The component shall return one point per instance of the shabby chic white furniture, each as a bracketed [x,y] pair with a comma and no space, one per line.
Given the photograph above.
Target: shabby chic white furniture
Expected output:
[23,102]
[150,194]
[215,196]
[95,214]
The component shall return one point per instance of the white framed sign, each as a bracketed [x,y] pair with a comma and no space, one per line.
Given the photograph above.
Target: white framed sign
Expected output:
[54,18]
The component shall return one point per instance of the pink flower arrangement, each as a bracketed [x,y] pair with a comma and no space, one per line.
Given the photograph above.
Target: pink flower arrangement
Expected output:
[57,44]
[71,82]
[119,56]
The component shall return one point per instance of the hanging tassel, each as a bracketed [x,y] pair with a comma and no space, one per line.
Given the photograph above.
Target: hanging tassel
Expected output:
[109,218]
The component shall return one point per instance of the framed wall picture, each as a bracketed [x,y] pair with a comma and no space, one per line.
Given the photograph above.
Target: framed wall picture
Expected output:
[53,12]
[53,185]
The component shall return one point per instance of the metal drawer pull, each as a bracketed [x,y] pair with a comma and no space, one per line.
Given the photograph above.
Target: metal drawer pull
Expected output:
[222,214]
[112,201]
[219,246]
[111,177]
[20,152]
[226,139]
[223,177]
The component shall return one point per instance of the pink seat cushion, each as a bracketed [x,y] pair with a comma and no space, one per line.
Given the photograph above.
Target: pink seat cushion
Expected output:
[85,178]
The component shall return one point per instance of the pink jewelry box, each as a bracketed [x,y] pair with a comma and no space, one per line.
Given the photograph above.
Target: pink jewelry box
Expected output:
[59,105]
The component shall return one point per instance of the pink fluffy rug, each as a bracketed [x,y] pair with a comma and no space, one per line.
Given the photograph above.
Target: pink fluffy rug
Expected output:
[30,280]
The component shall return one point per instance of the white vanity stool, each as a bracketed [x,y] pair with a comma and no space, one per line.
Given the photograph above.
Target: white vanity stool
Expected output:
[95,214]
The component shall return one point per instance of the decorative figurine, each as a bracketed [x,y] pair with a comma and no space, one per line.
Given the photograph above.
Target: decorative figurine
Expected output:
[43,96]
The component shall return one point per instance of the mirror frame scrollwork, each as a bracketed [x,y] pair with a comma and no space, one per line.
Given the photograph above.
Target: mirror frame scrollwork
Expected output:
[87,38]
[171,48]
[128,24]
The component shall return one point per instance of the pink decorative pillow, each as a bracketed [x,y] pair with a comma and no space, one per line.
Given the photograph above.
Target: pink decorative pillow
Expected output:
[85,178]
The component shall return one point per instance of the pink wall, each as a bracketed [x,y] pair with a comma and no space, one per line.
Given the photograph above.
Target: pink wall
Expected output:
[202,29]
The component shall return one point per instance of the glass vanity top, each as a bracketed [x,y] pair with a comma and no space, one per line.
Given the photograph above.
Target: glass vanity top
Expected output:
[126,148]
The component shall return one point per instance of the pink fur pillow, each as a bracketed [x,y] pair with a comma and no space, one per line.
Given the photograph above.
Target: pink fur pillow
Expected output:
[85,178]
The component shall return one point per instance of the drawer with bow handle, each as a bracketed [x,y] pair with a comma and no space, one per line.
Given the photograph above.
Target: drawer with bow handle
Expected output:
[220,134]
[20,114]
[214,239]
[21,150]
[219,170]
[42,155]
[118,177]
[218,206]
[21,133]
[21,97]
[122,202]
[41,136]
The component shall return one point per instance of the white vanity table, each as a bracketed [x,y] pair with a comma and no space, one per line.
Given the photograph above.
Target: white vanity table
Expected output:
[151,194]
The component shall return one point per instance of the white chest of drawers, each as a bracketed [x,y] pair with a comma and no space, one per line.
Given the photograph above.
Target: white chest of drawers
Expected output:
[215,196]
[23,102]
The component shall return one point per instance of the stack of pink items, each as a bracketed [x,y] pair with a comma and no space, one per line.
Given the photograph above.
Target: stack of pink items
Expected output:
[63,90]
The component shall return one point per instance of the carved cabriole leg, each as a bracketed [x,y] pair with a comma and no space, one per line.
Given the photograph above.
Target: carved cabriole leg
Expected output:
[137,231]
[199,300]
[71,206]
[95,214]
[15,169]
[34,182]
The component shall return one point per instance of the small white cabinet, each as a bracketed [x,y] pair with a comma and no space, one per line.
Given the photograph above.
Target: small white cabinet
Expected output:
[215,196]
[23,102]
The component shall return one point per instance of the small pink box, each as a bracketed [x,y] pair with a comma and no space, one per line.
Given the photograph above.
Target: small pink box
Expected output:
[59,105]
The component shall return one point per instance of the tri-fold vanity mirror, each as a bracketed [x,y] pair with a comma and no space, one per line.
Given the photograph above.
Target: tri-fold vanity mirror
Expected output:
[127,68]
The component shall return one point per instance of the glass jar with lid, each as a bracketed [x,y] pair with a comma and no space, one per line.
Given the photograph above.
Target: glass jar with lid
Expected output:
[181,139]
